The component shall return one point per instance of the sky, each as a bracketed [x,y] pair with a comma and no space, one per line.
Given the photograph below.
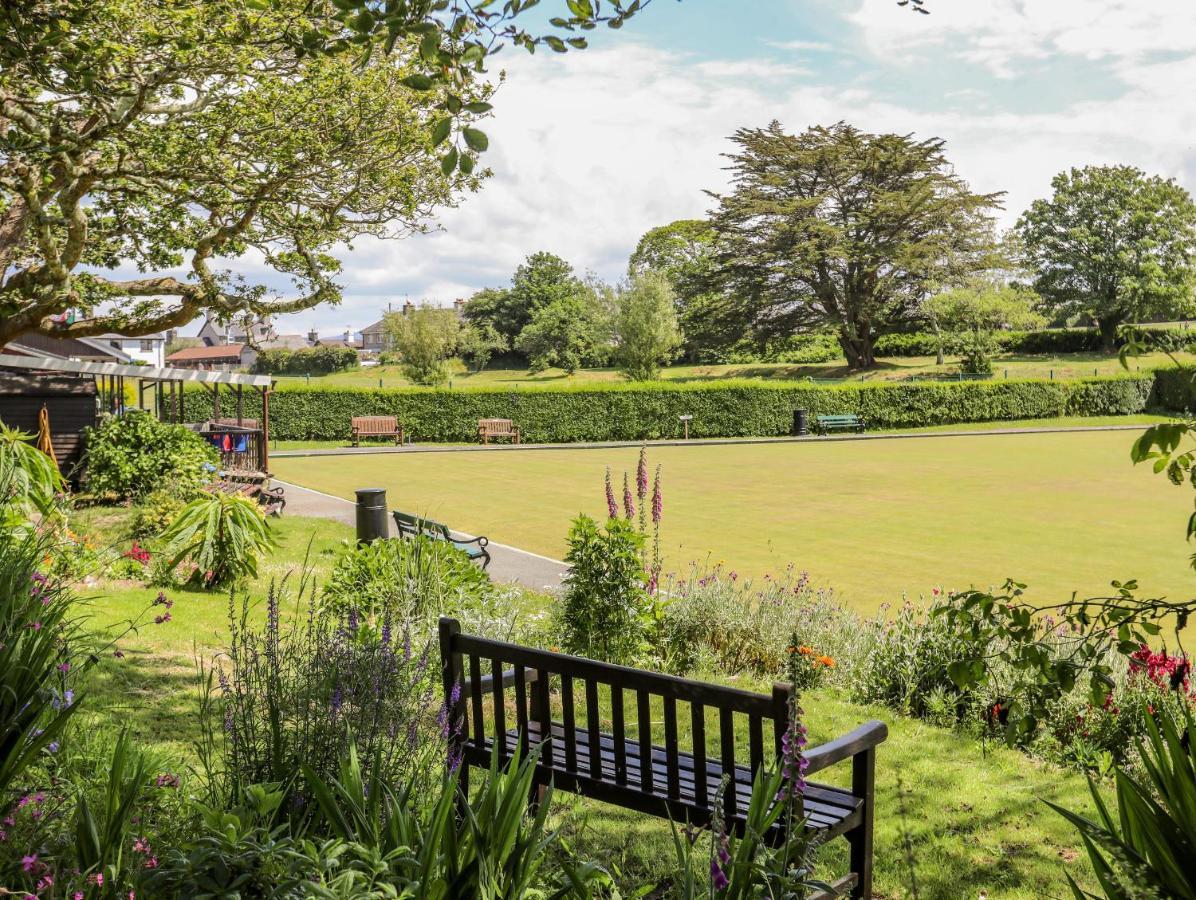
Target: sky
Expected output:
[591,149]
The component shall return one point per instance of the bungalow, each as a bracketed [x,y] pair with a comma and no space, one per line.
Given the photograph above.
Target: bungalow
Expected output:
[226,358]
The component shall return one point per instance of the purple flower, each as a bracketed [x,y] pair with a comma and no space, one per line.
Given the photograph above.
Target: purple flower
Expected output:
[628,503]
[718,878]
[641,475]
[657,499]
[612,508]
[338,700]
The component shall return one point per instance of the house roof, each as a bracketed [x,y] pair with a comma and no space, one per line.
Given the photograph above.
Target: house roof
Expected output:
[339,342]
[33,344]
[113,336]
[194,354]
[380,325]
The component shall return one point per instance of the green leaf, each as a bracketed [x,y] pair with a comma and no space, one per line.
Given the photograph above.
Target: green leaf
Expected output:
[475,139]
[448,162]
[419,82]
[441,131]
[478,107]
[466,164]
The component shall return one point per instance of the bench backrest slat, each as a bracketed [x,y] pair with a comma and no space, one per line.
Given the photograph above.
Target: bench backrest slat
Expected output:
[726,734]
[542,715]
[671,765]
[698,724]
[475,697]
[618,730]
[755,742]
[643,702]
[621,676]
[592,730]
[569,720]
[500,718]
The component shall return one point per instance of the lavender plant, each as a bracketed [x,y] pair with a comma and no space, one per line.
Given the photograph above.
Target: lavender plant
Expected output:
[303,693]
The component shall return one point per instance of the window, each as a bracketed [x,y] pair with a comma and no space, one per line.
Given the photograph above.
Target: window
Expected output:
[147,346]
[115,345]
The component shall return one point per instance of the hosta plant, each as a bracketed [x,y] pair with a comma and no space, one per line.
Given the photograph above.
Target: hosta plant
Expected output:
[221,534]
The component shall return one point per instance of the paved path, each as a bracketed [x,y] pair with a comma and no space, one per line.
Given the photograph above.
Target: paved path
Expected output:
[506,563]
[693,442]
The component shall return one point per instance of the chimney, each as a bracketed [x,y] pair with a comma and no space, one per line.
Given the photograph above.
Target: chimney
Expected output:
[408,307]
[459,306]
[313,337]
[348,336]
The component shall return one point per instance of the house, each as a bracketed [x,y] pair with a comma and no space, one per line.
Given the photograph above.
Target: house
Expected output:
[225,358]
[375,338]
[215,333]
[149,348]
[286,342]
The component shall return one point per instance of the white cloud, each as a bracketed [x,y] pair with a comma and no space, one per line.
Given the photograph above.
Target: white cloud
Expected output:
[592,149]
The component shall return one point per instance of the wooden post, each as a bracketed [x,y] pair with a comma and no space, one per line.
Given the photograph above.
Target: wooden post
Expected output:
[240,404]
[454,677]
[216,401]
[266,430]
[863,785]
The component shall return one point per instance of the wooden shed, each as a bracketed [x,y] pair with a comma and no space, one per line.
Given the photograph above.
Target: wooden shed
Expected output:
[70,401]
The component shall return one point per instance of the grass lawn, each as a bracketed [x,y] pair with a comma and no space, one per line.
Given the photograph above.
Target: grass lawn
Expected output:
[871,519]
[952,818]
[1072,365]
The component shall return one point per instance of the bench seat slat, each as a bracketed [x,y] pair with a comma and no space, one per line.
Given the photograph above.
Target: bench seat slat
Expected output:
[831,810]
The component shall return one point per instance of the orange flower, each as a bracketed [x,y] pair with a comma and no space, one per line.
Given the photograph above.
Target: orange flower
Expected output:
[827,661]
[805,651]
[790,649]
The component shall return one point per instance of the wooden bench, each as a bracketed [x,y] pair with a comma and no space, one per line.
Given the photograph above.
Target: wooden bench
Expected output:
[410,526]
[271,498]
[497,428]
[846,421]
[375,426]
[510,697]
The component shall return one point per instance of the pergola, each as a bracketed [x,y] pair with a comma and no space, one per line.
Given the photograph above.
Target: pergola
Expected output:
[167,384]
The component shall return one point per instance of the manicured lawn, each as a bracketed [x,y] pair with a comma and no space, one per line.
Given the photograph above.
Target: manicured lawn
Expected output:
[871,519]
[953,818]
[1073,365]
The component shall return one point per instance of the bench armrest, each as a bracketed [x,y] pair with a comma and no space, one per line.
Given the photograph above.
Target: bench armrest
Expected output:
[866,737]
[480,541]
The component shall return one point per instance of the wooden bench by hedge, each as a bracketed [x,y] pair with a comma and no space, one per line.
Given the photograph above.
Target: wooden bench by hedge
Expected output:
[410,526]
[497,428]
[375,426]
[844,422]
[630,766]
[271,498]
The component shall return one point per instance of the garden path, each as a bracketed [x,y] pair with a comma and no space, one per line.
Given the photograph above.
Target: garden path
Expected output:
[506,563]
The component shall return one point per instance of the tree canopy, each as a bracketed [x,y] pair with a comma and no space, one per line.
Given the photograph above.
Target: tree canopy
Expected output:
[570,330]
[427,337]
[646,331]
[1114,245]
[540,280]
[839,227]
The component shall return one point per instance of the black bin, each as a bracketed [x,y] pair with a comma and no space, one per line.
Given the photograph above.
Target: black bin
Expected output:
[371,515]
[800,424]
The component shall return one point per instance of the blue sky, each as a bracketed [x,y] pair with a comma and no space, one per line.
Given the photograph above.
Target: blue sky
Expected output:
[591,149]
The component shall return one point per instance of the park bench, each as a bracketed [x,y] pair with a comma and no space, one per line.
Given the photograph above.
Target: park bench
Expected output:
[845,421]
[271,498]
[641,764]
[410,526]
[375,426]
[497,428]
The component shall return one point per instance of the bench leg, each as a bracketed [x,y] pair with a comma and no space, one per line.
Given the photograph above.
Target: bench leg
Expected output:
[863,785]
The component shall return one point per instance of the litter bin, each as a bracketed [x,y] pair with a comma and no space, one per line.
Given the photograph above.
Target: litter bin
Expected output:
[371,515]
[800,425]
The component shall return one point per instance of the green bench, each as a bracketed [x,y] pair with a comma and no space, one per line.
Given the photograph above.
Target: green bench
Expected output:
[845,422]
[410,526]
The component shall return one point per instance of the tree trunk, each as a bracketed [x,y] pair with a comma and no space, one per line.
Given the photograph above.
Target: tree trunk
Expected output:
[1108,332]
[857,346]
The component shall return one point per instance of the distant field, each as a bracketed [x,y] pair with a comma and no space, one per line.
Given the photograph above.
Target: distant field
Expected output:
[872,519]
[1074,365]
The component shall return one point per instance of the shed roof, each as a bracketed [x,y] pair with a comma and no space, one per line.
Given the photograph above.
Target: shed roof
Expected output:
[221,351]
[147,373]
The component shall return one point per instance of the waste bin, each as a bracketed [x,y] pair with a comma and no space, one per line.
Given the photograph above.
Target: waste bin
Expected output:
[800,426]
[371,515]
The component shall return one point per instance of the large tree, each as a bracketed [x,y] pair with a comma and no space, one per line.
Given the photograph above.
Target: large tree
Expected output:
[426,337]
[839,227]
[646,331]
[1113,245]
[569,330]
[539,281]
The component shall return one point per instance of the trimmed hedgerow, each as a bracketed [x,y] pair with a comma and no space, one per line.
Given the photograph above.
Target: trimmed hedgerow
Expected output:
[1175,389]
[1057,340]
[644,412]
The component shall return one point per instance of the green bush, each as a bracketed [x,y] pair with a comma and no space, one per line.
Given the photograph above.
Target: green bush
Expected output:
[307,361]
[134,454]
[604,609]
[601,412]
[1175,389]
[403,581]
[155,513]
[221,535]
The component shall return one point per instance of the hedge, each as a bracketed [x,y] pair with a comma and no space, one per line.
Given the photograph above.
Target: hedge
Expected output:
[650,411]
[1060,340]
[306,361]
[1175,389]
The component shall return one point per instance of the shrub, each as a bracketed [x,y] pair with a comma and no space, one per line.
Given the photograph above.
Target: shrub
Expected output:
[726,409]
[31,478]
[221,535]
[740,625]
[604,609]
[301,695]
[155,513]
[134,454]
[403,581]
[1053,341]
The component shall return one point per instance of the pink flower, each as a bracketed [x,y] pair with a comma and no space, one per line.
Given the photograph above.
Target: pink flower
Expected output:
[28,862]
[96,878]
[628,503]
[64,667]
[641,475]
[612,508]
[657,499]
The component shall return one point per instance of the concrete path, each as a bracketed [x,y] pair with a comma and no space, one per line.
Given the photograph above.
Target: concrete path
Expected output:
[506,563]
[693,442]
